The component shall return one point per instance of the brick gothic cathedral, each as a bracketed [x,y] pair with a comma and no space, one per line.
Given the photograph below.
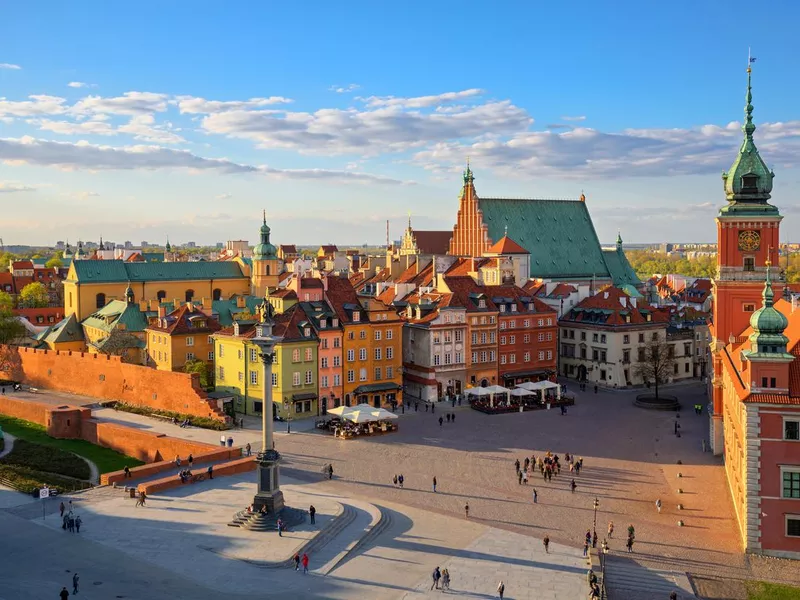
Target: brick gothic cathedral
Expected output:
[755,389]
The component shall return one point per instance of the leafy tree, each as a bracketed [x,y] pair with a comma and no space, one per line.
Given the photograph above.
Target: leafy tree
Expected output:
[201,368]
[34,295]
[10,362]
[656,364]
[10,326]
[54,262]
[6,301]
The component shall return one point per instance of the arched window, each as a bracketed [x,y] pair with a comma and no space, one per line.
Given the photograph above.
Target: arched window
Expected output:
[160,295]
[217,294]
[189,295]
[267,270]
[100,300]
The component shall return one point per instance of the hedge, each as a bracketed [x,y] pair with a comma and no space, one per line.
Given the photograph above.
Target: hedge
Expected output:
[47,460]
[27,480]
[202,422]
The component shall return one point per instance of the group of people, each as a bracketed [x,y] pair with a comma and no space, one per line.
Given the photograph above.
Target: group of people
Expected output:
[69,520]
[189,460]
[297,561]
[185,423]
[440,575]
[398,480]
[185,475]
[64,593]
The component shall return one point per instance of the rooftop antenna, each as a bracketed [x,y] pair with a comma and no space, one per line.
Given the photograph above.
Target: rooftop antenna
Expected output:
[387,233]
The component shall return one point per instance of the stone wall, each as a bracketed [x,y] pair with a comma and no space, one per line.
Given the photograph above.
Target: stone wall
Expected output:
[108,378]
[233,467]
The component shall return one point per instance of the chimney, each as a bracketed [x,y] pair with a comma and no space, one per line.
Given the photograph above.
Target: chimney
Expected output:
[162,312]
[153,305]
[143,305]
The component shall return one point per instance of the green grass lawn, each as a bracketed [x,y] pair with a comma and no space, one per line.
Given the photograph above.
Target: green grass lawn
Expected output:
[47,459]
[105,459]
[761,590]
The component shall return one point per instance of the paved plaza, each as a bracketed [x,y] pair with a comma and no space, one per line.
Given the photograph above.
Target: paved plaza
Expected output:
[630,460]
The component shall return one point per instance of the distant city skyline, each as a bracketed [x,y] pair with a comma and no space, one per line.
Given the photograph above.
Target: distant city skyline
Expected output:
[336,120]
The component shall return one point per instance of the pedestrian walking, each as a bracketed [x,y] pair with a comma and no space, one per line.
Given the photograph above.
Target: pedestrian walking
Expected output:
[435,576]
[305,563]
[75,580]
[595,388]
[296,559]
[190,460]
[573,485]
[673,596]
[330,471]
[585,548]
[588,537]
[248,449]
[71,523]
[594,539]
[61,507]
[78,523]
[629,544]
[426,407]
[210,471]
[177,461]
[445,579]
[527,463]
[516,465]
[434,484]
[400,480]
[525,478]
[448,417]
[501,589]
[280,528]
[312,513]
[610,529]
[394,480]
[658,505]
[416,406]
[546,542]
[441,420]
[535,496]
[433,408]
[63,594]
[466,510]
[519,476]
[453,418]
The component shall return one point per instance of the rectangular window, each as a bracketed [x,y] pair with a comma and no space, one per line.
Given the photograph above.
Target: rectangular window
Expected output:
[274,379]
[337,362]
[190,356]
[309,377]
[296,378]
[512,339]
[594,337]
[222,373]
[526,357]
[253,377]
[362,374]
[253,354]
[583,336]
[378,354]
[389,334]
[791,430]
[483,357]
[324,362]
[448,337]
[389,372]
[356,316]
[324,343]
[541,337]
[362,354]
[389,352]
[686,368]
[793,525]
[502,340]
[626,339]
[541,355]
[241,376]
[492,337]
[626,355]
[459,335]
[549,322]
[526,338]
[772,382]
[474,338]
[448,358]
[362,335]
[351,355]
[190,340]
[210,356]
[337,381]
[526,323]
[459,358]
[791,484]
[540,322]
[502,325]
[377,373]
[595,355]
[377,334]
[351,376]
[549,355]
[437,360]
[513,359]
[641,338]
[239,354]
[603,338]
[296,355]
[210,340]
[336,342]
[749,263]
[512,324]
[565,333]
[503,359]
[474,357]
[309,354]
[491,355]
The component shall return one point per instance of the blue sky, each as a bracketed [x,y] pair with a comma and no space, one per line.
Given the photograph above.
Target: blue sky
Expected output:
[138,121]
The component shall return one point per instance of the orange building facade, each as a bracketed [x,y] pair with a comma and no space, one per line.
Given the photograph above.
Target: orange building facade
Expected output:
[755,388]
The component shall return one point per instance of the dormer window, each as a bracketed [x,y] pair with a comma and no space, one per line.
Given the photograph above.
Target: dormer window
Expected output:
[356,316]
[502,308]
[513,308]
[481,303]
[336,322]
[530,306]
[749,183]
[307,332]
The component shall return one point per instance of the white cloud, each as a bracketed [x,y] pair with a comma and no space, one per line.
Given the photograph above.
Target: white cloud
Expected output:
[143,128]
[193,105]
[10,187]
[80,84]
[130,103]
[85,156]
[225,196]
[10,66]
[90,127]
[422,101]
[345,89]
[38,104]
[370,132]
[578,118]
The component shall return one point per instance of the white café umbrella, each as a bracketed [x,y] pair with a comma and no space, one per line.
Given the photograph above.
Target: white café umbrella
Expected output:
[518,392]
[360,416]
[340,411]
[477,391]
[382,413]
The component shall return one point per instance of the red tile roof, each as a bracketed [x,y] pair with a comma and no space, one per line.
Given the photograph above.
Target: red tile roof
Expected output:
[287,325]
[22,264]
[606,308]
[464,266]
[329,248]
[288,248]
[47,314]
[184,321]
[284,293]
[432,242]
[506,246]
[340,292]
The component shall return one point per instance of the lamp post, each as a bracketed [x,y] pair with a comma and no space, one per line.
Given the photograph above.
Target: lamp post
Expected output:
[596,503]
[603,557]
[269,493]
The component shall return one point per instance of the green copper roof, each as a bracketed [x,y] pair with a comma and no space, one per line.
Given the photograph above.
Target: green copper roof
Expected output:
[116,313]
[265,250]
[108,271]
[225,309]
[621,271]
[748,183]
[558,233]
[768,323]
[68,330]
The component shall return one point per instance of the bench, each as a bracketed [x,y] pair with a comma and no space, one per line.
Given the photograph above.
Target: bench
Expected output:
[33,390]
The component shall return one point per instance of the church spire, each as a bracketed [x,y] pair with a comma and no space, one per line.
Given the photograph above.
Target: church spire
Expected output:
[768,323]
[468,177]
[619,240]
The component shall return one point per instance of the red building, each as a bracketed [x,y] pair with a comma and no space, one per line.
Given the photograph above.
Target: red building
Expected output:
[756,346]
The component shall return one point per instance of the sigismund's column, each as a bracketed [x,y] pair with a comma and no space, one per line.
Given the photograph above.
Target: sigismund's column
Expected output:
[269,492]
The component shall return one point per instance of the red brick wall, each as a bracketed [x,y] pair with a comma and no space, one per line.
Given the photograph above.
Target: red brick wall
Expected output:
[108,378]
[168,465]
[233,467]
[29,411]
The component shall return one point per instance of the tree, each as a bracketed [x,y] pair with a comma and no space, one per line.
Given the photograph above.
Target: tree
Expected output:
[34,295]
[119,343]
[10,327]
[54,262]
[6,301]
[656,362]
[201,368]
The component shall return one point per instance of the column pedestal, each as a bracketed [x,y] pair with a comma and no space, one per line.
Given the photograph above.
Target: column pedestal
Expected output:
[269,493]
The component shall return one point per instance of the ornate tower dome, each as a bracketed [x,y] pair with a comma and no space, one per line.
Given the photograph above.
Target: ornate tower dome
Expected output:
[768,323]
[264,250]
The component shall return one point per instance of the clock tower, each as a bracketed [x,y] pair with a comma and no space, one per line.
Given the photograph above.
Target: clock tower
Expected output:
[747,242]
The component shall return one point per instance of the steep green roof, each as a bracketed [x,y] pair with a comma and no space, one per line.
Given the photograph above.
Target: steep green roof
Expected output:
[68,330]
[117,271]
[224,310]
[620,269]
[119,313]
[559,234]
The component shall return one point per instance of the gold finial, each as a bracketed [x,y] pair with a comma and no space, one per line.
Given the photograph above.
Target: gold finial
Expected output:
[506,233]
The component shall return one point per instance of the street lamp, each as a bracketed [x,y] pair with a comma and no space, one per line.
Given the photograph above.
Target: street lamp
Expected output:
[603,558]
[596,503]
[269,493]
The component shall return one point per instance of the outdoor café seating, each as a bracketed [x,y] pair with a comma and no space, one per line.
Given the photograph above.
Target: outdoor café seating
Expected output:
[361,420]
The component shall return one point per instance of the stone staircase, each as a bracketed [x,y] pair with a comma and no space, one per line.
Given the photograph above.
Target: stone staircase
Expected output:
[628,579]
[268,522]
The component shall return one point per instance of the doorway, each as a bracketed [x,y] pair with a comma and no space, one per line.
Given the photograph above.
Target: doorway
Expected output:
[376,401]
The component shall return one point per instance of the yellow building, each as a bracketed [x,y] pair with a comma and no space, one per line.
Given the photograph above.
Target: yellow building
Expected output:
[238,369]
[182,336]
[266,264]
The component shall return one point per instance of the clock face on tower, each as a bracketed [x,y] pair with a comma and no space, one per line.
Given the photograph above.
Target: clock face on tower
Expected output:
[749,240]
